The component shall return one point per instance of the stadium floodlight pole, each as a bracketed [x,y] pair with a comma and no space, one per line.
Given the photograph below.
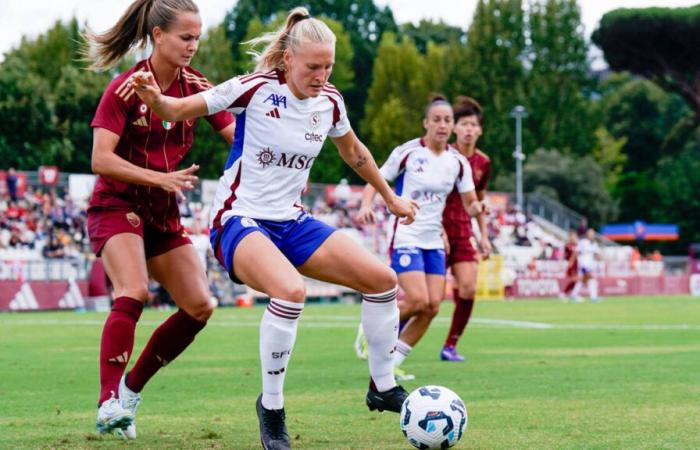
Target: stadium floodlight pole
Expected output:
[519,112]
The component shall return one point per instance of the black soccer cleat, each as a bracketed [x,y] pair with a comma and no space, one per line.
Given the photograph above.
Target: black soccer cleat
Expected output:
[391,400]
[273,431]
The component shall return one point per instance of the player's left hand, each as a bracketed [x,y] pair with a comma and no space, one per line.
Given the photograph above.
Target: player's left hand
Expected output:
[403,209]
[486,248]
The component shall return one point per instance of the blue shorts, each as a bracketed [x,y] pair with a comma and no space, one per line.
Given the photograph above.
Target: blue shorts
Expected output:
[406,259]
[297,239]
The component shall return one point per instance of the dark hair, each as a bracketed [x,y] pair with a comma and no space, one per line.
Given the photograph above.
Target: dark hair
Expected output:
[435,99]
[466,106]
[133,29]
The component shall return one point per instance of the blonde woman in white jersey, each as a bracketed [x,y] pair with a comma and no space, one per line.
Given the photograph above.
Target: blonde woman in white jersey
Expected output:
[260,232]
[425,170]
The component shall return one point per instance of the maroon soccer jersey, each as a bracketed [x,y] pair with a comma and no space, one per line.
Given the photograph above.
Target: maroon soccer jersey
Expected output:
[569,251]
[149,142]
[455,219]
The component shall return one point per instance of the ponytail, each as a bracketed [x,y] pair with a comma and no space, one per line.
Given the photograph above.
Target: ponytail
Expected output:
[133,30]
[299,26]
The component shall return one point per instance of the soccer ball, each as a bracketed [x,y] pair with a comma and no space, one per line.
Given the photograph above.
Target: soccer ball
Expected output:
[433,417]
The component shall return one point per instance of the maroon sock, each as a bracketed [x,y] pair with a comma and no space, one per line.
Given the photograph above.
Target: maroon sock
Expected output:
[167,342]
[117,343]
[569,287]
[460,318]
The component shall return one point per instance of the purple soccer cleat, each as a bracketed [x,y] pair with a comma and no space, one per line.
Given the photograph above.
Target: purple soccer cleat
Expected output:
[449,353]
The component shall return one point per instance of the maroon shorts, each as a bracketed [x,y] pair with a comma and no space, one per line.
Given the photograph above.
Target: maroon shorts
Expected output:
[572,270]
[462,249]
[105,223]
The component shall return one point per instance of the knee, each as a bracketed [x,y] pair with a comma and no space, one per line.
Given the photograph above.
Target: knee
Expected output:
[466,290]
[383,280]
[419,305]
[431,310]
[202,310]
[293,292]
[137,292]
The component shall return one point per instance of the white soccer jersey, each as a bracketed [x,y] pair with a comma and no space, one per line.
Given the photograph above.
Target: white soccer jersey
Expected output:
[587,251]
[427,178]
[277,139]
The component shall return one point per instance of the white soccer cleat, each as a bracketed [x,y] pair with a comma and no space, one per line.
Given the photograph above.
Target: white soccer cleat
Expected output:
[129,400]
[361,343]
[111,416]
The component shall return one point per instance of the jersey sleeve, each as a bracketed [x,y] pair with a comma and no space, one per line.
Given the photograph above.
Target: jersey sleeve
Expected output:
[464,181]
[392,166]
[341,123]
[230,95]
[112,112]
[486,177]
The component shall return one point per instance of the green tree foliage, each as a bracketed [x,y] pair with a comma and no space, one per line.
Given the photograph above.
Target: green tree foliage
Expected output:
[47,101]
[558,84]
[608,153]
[578,183]
[490,69]
[362,19]
[397,97]
[658,43]
[644,114]
[427,32]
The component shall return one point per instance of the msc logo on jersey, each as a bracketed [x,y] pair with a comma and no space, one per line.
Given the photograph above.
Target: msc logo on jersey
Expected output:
[265,157]
[277,100]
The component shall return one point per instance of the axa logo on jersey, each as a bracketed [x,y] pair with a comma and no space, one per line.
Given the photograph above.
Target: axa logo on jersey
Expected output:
[276,100]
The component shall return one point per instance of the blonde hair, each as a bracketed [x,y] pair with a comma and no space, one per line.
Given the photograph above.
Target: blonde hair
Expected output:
[300,27]
[133,29]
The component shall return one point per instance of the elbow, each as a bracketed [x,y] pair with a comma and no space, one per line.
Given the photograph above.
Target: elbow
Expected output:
[97,165]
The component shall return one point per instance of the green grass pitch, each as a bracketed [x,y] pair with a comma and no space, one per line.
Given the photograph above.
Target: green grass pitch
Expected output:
[623,374]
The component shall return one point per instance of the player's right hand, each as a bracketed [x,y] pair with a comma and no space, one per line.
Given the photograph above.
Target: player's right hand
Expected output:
[365,215]
[146,87]
[403,209]
[180,180]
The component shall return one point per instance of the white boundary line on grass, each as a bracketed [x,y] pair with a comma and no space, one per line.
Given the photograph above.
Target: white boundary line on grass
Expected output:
[323,321]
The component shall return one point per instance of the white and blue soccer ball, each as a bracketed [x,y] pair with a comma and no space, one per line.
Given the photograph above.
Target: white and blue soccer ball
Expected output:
[433,417]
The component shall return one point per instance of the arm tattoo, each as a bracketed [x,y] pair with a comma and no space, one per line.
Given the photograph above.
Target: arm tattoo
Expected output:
[361,161]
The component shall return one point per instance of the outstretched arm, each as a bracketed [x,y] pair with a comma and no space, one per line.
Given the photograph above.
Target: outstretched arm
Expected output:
[106,162]
[168,108]
[357,156]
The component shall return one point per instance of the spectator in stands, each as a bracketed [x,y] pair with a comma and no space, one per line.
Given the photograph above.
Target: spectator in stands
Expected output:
[342,193]
[133,218]
[54,248]
[11,181]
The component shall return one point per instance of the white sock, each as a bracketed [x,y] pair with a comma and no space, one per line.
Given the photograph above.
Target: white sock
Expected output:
[278,331]
[402,351]
[380,320]
[593,288]
[576,289]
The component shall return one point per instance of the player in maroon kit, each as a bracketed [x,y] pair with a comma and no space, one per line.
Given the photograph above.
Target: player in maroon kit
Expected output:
[462,256]
[571,256]
[133,217]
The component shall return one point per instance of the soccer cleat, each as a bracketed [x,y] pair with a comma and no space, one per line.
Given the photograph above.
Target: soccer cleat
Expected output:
[129,400]
[273,431]
[449,353]
[401,375]
[391,400]
[361,343]
[112,417]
